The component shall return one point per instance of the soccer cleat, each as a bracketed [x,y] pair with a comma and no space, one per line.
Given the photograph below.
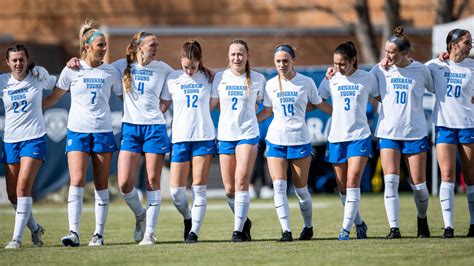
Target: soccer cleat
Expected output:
[361,230]
[72,239]
[286,237]
[423,229]
[192,238]
[148,239]
[237,236]
[188,223]
[140,224]
[448,232]
[37,236]
[470,233]
[96,241]
[14,244]
[394,233]
[246,230]
[306,233]
[343,234]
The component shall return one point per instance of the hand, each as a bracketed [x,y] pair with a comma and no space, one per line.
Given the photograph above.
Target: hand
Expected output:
[40,72]
[384,63]
[330,72]
[73,63]
[443,56]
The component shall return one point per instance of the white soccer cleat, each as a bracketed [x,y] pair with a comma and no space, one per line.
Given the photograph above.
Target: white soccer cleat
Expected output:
[148,239]
[14,244]
[139,228]
[96,241]
[37,236]
[72,239]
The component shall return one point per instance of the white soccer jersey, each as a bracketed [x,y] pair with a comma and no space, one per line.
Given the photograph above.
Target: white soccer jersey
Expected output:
[23,107]
[401,89]
[454,88]
[237,118]
[141,105]
[90,93]
[191,112]
[288,126]
[350,95]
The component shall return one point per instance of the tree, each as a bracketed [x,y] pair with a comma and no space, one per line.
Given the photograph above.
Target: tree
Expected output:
[447,11]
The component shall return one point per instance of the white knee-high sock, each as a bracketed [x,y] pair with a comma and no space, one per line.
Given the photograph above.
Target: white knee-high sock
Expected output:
[133,202]
[180,201]
[306,205]
[101,210]
[242,202]
[351,207]
[358,219]
[231,202]
[470,202]
[153,210]
[31,224]
[281,203]
[74,207]
[421,197]
[199,207]
[23,212]
[391,200]
[446,198]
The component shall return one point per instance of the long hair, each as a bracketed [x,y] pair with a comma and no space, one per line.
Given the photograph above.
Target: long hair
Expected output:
[401,40]
[454,36]
[288,49]
[88,29]
[192,51]
[248,81]
[348,51]
[131,56]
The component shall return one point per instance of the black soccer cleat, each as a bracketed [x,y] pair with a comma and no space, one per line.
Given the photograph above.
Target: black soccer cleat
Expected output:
[423,229]
[306,233]
[361,230]
[394,233]
[286,237]
[192,238]
[188,223]
[237,236]
[448,232]
[470,233]
[246,230]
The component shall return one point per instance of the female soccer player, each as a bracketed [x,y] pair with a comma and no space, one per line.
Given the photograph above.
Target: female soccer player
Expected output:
[402,128]
[89,128]
[24,147]
[453,116]
[143,130]
[192,134]
[349,141]
[288,140]
[239,89]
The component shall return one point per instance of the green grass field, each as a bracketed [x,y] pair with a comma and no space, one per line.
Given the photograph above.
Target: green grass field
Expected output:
[214,247]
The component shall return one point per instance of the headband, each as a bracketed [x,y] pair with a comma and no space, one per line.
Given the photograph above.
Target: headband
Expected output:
[94,35]
[456,35]
[402,45]
[142,37]
[285,48]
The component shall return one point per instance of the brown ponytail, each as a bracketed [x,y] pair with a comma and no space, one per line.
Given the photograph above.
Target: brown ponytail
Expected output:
[131,56]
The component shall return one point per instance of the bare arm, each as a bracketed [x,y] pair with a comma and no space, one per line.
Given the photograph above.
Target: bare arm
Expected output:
[264,114]
[213,103]
[325,107]
[164,105]
[73,63]
[53,98]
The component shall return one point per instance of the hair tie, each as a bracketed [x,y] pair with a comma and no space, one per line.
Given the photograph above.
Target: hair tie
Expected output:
[285,48]
[93,36]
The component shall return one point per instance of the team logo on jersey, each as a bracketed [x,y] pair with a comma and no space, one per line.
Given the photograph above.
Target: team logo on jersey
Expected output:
[56,123]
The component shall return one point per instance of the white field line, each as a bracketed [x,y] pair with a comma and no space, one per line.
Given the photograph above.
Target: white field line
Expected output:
[166,208]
